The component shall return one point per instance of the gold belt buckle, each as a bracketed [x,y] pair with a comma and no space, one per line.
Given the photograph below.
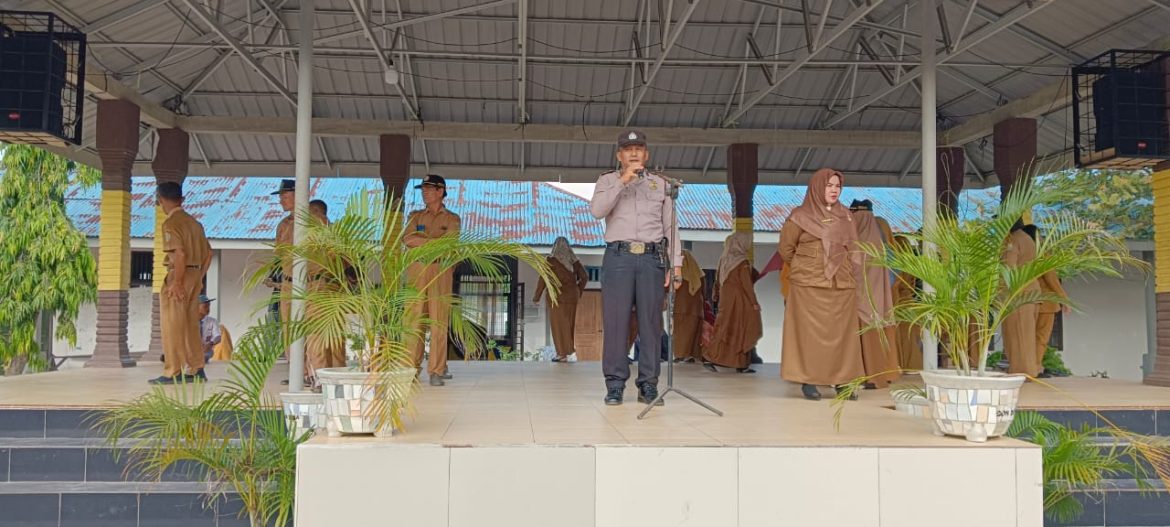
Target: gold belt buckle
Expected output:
[637,248]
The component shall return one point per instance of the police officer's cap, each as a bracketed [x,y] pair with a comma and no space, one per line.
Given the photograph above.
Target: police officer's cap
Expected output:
[170,190]
[631,137]
[286,185]
[861,204]
[433,180]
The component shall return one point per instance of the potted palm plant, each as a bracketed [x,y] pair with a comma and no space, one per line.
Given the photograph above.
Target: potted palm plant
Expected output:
[234,438]
[969,292]
[362,255]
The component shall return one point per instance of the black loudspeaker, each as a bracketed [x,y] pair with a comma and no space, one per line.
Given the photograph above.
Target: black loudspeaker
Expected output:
[1129,107]
[32,79]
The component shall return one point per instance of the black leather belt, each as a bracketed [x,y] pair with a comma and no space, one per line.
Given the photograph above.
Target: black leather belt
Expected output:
[636,247]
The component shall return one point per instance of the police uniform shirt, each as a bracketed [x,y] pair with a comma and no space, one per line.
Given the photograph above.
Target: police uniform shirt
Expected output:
[638,211]
[433,224]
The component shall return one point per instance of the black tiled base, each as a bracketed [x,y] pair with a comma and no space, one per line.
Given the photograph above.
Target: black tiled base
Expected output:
[22,423]
[99,510]
[47,464]
[30,510]
[174,510]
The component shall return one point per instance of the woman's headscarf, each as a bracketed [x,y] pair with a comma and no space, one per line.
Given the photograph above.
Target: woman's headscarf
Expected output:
[833,225]
[691,272]
[877,299]
[563,253]
[735,252]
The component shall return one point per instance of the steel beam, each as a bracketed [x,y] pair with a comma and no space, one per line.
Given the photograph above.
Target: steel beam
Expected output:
[803,58]
[522,78]
[987,31]
[121,15]
[241,50]
[658,63]
[412,21]
[1033,37]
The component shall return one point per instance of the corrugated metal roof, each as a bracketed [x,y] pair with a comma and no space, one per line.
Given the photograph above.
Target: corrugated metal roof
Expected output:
[243,209]
[588,29]
[533,213]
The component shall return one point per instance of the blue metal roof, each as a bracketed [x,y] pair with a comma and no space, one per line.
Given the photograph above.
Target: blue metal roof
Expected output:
[533,213]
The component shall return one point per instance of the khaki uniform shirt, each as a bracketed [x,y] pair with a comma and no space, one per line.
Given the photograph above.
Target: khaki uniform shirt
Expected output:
[638,211]
[181,231]
[284,236]
[803,255]
[430,225]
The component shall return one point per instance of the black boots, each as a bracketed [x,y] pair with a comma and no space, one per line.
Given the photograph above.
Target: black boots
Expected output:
[810,392]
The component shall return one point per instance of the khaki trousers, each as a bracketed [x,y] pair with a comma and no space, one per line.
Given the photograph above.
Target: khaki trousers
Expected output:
[320,351]
[1044,323]
[179,323]
[436,289]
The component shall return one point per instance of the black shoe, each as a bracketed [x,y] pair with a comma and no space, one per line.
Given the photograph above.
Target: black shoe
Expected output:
[446,376]
[710,367]
[162,358]
[689,360]
[197,376]
[163,379]
[810,392]
[613,397]
[1044,375]
[840,389]
[649,394]
[744,370]
[869,386]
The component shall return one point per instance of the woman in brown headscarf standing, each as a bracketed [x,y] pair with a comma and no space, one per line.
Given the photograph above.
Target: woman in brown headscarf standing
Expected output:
[563,315]
[738,326]
[875,302]
[909,335]
[1019,328]
[688,310]
[818,241]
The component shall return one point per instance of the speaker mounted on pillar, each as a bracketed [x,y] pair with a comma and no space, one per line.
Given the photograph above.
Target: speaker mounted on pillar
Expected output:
[42,76]
[1119,109]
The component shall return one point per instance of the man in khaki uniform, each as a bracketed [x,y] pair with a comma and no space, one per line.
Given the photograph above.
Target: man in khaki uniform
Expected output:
[284,239]
[434,221]
[188,254]
[321,352]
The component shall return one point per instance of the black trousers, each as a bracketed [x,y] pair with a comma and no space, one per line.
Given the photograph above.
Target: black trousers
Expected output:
[630,280]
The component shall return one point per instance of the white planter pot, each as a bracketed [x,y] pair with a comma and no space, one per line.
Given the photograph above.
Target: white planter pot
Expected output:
[349,399]
[304,412]
[972,407]
[916,406]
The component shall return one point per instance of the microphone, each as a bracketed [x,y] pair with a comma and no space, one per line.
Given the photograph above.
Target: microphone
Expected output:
[641,172]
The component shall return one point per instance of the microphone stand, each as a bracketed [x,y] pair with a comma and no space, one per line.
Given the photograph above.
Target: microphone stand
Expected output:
[673,187]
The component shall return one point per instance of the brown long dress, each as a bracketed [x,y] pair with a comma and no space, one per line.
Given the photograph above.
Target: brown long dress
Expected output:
[563,315]
[820,344]
[1019,328]
[875,304]
[688,310]
[1046,312]
[738,326]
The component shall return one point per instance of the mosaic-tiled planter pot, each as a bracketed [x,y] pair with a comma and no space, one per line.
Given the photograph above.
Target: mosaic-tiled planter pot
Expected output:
[349,399]
[972,407]
[304,411]
[916,406]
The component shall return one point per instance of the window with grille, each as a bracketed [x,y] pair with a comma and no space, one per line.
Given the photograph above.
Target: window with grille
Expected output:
[486,302]
[141,268]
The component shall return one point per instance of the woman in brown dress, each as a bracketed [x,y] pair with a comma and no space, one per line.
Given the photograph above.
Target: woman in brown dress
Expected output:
[818,241]
[909,335]
[563,315]
[688,310]
[875,303]
[1019,328]
[738,326]
[1046,311]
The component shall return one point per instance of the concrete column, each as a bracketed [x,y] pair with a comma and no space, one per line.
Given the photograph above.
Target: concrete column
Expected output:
[950,178]
[117,146]
[171,159]
[1160,376]
[1015,151]
[394,163]
[743,175]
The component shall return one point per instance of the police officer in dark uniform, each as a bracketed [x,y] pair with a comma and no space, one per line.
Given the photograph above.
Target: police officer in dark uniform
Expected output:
[641,242]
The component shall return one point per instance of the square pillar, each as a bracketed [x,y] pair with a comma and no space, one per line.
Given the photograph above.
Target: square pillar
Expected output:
[394,163]
[1160,374]
[1015,151]
[117,146]
[743,175]
[951,163]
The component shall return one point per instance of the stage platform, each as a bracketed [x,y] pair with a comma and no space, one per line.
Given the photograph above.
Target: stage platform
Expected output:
[520,444]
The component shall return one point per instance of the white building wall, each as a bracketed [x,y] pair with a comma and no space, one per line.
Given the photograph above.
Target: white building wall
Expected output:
[1108,332]
[240,309]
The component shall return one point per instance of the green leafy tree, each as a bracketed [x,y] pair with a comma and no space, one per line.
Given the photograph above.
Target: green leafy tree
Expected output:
[1119,201]
[45,263]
